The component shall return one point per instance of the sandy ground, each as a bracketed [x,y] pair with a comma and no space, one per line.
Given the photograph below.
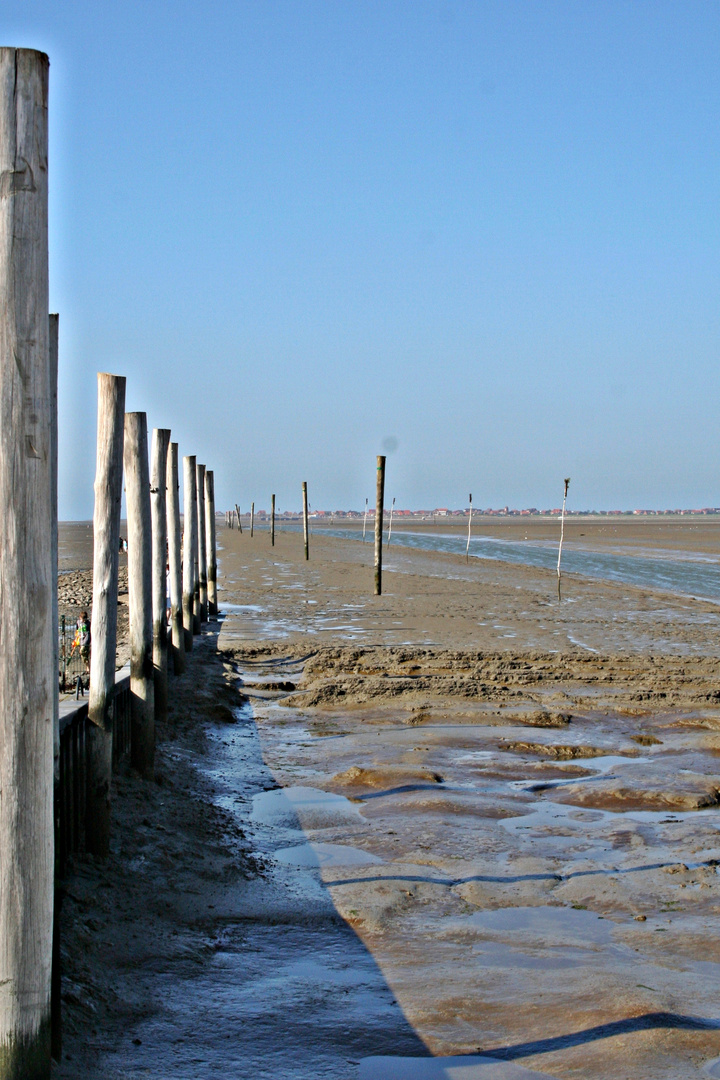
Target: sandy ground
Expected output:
[457,819]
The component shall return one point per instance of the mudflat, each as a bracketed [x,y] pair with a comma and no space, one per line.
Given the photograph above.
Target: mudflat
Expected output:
[459,819]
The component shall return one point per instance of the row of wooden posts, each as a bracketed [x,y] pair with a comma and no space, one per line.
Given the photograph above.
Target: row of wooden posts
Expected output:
[232,516]
[155,542]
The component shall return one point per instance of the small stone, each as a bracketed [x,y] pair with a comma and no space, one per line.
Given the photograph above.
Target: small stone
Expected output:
[640,918]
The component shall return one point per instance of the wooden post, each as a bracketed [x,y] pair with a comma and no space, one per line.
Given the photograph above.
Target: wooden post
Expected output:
[365,519]
[210,543]
[158,515]
[175,561]
[202,551]
[106,547]
[252,519]
[27,681]
[142,691]
[467,548]
[562,532]
[306,534]
[272,520]
[189,546]
[379,501]
[237,511]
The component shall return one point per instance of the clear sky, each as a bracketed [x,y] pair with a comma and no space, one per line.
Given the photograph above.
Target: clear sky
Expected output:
[485,231]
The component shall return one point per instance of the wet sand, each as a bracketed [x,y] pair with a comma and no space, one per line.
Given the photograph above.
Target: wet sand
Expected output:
[458,819]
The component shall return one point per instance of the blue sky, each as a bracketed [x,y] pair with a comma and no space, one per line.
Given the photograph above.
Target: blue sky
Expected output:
[488,230]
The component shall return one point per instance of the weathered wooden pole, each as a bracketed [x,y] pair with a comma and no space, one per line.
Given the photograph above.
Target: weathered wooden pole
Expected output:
[27,681]
[365,519]
[306,535]
[189,546]
[56,987]
[202,549]
[210,543]
[562,532]
[158,516]
[379,501]
[106,546]
[252,519]
[272,520]
[467,547]
[142,690]
[237,511]
[175,561]
[53,328]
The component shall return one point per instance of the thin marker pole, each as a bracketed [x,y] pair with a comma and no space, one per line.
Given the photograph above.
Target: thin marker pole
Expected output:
[392,508]
[467,549]
[365,519]
[379,500]
[252,520]
[305,520]
[562,532]
[272,520]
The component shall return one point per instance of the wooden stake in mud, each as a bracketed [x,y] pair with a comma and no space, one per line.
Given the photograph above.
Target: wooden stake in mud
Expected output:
[467,547]
[175,561]
[562,532]
[142,689]
[392,509]
[237,511]
[106,541]
[252,519]
[158,514]
[379,501]
[306,534]
[365,519]
[27,681]
[202,552]
[189,546]
[272,520]
[210,543]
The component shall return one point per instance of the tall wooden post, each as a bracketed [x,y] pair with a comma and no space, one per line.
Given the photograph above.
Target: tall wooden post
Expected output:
[106,543]
[202,551]
[142,690]
[158,515]
[252,519]
[306,535]
[210,543]
[379,506]
[27,681]
[272,520]
[189,546]
[53,328]
[175,561]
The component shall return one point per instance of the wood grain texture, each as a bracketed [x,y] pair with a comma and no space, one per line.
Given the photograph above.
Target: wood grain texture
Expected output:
[158,518]
[142,688]
[210,543]
[189,547]
[202,553]
[175,561]
[27,679]
[106,543]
